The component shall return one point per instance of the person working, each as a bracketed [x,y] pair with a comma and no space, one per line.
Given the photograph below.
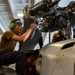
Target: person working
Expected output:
[7,45]
[58,37]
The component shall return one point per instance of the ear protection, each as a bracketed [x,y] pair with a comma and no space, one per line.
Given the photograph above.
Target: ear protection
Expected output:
[13,23]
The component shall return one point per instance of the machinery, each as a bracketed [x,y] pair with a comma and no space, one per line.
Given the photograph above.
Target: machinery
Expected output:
[52,17]
[55,59]
[58,58]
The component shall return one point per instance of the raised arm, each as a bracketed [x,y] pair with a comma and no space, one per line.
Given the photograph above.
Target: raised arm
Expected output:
[26,35]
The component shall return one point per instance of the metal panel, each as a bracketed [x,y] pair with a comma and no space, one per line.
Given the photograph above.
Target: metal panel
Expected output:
[56,61]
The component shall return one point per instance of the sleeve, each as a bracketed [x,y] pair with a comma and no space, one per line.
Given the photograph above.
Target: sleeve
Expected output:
[8,35]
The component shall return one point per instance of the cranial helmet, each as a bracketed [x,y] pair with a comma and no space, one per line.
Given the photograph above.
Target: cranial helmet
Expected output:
[14,22]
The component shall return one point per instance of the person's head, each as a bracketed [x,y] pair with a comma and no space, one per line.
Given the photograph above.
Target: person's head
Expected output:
[56,35]
[16,25]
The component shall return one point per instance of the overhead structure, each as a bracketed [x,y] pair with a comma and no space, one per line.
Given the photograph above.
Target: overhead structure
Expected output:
[10,9]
